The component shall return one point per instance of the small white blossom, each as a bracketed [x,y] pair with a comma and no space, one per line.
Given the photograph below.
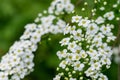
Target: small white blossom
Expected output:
[76,18]
[78,66]
[100,20]
[57,77]
[84,22]
[109,15]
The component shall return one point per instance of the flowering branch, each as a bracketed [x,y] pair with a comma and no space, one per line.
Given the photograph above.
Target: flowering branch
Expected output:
[18,62]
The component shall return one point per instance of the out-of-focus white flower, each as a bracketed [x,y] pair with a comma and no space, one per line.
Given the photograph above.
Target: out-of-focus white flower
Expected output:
[57,77]
[102,8]
[100,20]
[84,22]
[116,51]
[109,15]
[73,79]
[76,18]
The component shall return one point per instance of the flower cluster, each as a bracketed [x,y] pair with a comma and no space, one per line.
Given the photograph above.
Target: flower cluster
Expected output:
[18,62]
[87,51]
[59,6]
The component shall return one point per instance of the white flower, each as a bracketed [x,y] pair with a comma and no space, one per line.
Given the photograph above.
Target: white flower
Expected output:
[92,52]
[115,5]
[89,72]
[51,10]
[84,22]
[72,46]
[99,36]
[57,77]
[33,48]
[105,29]
[26,35]
[72,79]
[62,54]
[74,56]
[31,27]
[106,61]
[117,59]
[15,60]
[76,19]
[103,77]
[116,51]
[109,15]
[60,7]
[65,1]
[96,66]
[66,29]
[100,20]
[72,29]
[47,21]
[69,8]
[78,34]
[28,57]
[83,54]
[15,77]
[3,76]
[97,42]
[63,64]
[30,64]
[102,8]
[92,29]
[65,41]
[35,37]
[78,66]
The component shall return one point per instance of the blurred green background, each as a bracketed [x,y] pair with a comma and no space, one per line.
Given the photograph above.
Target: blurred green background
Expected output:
[14,15]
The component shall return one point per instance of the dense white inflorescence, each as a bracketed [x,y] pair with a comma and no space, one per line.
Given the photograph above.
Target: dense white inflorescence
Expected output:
[87,51]
[60,7]
[18,62]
